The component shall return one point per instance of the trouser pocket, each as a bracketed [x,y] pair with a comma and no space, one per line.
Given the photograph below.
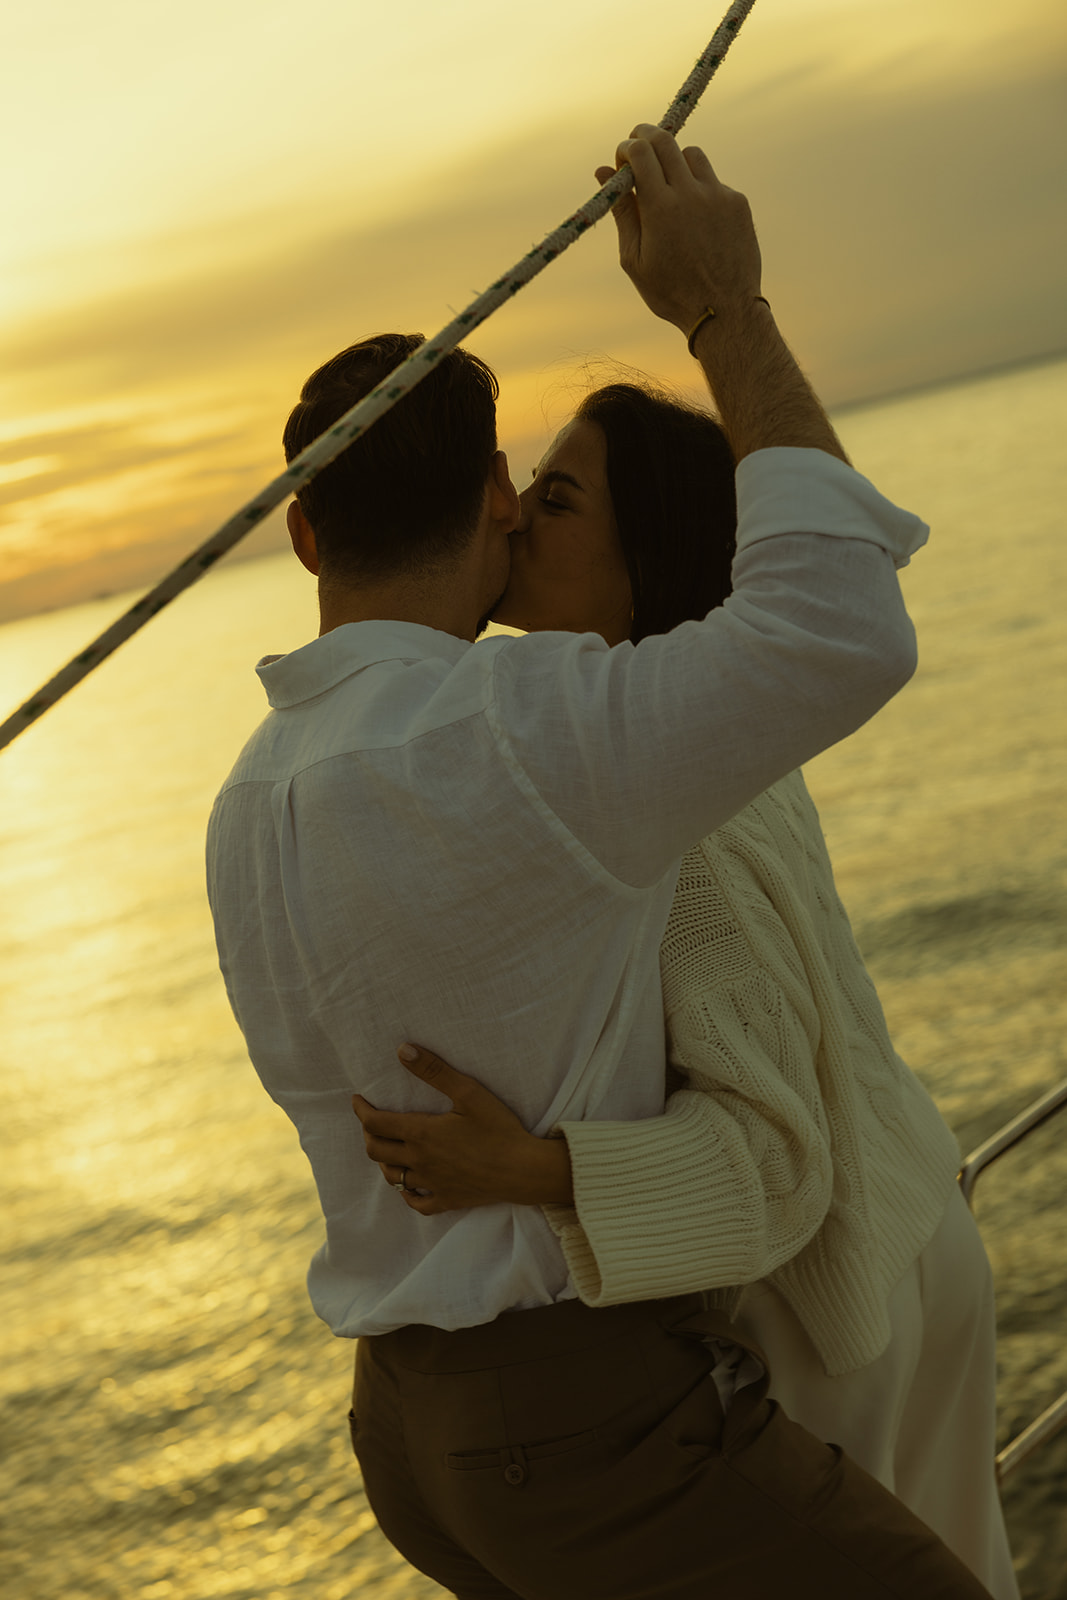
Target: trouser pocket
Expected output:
[515,1462]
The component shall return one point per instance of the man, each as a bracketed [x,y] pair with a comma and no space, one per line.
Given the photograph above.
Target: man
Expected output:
[481,844]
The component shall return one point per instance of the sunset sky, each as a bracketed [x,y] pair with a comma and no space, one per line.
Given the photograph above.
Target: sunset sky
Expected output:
[203,199]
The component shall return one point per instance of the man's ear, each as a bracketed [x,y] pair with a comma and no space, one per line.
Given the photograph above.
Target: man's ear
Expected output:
[503,495]
[303,536]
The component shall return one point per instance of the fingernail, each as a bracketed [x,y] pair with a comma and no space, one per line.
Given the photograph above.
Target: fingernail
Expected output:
[408,1052]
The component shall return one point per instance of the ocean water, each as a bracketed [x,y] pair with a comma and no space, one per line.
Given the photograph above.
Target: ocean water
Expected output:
[174,1415]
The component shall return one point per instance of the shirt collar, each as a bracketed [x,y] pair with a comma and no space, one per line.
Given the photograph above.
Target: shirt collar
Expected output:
[327,661]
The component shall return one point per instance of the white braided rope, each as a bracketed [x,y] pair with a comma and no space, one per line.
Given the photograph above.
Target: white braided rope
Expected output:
[367,411]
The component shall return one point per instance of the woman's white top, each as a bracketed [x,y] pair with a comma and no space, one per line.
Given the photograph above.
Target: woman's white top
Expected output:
[803,1150]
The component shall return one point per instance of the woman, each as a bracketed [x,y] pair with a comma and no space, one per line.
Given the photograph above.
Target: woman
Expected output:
[801,1160]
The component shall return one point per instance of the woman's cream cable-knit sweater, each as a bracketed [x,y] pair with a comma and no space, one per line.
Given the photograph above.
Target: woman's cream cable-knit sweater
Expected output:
[803,1150]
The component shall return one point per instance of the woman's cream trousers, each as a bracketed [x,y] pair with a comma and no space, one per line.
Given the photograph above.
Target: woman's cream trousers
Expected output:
[922,1418]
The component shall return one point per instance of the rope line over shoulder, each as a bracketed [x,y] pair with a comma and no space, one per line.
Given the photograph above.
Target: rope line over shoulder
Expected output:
[368,410]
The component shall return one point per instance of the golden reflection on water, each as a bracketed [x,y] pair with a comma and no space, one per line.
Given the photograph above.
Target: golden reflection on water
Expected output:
[176,1415]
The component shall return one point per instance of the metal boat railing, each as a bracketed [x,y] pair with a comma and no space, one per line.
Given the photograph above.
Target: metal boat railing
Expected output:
[1054,1417]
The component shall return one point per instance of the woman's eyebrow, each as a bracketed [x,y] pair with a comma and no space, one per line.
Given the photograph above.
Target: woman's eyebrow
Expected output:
[563,477]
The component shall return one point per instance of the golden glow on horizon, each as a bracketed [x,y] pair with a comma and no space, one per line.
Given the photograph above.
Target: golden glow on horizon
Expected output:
[208,200]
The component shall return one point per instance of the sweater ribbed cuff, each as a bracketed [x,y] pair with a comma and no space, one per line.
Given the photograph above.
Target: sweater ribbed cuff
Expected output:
[673,1204]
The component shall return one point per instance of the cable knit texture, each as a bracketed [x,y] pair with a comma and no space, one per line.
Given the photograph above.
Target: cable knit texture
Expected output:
[802,1149]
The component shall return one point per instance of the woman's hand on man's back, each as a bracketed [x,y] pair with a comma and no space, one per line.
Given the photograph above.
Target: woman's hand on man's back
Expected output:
[477,1154]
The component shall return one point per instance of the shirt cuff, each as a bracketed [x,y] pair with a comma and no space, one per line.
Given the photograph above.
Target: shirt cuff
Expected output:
[785,490]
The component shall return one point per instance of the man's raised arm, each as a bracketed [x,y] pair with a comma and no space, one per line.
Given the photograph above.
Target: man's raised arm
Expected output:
[641,752]
[689,245]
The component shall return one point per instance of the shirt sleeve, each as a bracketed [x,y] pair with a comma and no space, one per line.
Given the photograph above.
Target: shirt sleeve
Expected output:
[642,750]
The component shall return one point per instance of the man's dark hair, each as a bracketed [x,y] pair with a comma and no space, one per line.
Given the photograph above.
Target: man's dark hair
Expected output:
[405,497]
[671,480]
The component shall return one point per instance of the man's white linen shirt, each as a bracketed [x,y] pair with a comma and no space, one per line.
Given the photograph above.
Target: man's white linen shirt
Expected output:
[476,847]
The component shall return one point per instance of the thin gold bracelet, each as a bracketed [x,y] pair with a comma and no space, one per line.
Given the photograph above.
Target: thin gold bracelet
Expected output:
[705,316]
